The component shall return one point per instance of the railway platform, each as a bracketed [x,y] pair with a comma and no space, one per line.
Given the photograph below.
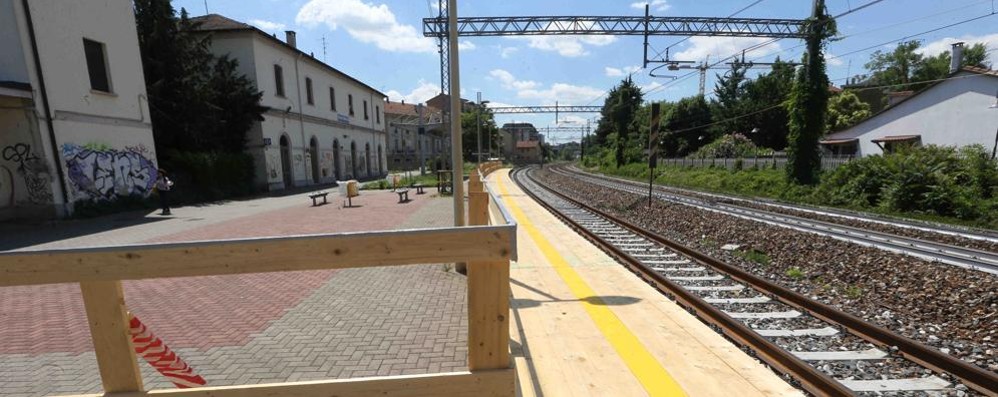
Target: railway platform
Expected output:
[584,325]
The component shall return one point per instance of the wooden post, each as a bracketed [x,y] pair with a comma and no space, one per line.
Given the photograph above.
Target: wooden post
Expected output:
[104,302]
[488,300]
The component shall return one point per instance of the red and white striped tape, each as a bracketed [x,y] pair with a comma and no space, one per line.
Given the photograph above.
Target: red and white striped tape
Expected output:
[157,354]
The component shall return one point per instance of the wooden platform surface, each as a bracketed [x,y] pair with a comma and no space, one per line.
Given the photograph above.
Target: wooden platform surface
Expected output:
[585,326]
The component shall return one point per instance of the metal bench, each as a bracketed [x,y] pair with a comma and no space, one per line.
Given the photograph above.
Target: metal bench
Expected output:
[316,195]
[419,188]
[403,193]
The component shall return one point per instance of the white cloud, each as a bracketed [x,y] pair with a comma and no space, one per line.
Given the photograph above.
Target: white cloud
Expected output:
[656,5]
[511,83]
[418,95]
[702,46]
[567,46]
[267,25]
[564,93]
[506,52]
[571,120]
[367,23]
[833,60]
[942,45]
[654,85]
[620,72]
[466,45]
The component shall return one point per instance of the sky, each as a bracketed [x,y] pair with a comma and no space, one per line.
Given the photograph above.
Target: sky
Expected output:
[381,43]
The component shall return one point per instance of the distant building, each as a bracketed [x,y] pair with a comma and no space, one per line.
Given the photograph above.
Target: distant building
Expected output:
[74,117]
[528,152]
[954,112]
[520,141]
[322,125]
[407,144]
[442,101]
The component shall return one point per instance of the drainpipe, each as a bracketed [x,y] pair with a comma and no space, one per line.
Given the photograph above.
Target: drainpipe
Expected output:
[45,104]
[301,119]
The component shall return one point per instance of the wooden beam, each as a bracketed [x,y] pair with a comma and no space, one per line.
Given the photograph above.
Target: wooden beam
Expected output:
[488,315]
[498,383]
[337,251]
[104,302]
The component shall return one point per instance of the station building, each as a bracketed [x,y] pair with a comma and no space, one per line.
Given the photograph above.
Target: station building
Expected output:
[74,116]
[321,125]
[411,140]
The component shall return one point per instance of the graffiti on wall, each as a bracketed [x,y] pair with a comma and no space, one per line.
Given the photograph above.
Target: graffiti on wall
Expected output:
[100,173]
[32,170]
[272,163]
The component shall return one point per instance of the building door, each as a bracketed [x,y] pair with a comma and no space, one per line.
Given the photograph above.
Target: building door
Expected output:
[336,160]
[286,162]
[353,159]
[380,160]
[367,158]
[313,151]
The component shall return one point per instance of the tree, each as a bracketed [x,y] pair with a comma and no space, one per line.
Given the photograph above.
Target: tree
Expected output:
[845,110]
[469,131]
[198,103]
[729,91]
[895,67]
[760,94]
[619,109]
[808,102]
[937,67]
[683,127]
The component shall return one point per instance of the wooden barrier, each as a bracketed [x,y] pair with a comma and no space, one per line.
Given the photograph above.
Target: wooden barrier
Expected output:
[487,249]
[486,168]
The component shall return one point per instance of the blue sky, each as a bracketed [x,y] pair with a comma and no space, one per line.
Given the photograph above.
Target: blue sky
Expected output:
[381,43]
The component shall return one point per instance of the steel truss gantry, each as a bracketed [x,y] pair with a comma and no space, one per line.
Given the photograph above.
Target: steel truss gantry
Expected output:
[617,25]
[647,25]
[545,109]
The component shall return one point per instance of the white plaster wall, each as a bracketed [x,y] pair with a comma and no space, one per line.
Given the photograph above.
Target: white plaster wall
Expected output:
[952,113]
[12,65]
[60,28]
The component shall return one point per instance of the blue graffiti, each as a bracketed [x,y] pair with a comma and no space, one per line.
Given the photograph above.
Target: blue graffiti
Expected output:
[104,174]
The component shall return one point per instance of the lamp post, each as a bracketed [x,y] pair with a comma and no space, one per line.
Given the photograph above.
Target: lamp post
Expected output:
[478,126]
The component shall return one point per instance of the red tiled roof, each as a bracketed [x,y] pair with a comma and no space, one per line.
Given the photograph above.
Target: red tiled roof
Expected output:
[218,22]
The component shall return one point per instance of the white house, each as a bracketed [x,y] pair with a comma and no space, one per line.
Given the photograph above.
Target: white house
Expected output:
[74,118]
[321,126]
[959,111]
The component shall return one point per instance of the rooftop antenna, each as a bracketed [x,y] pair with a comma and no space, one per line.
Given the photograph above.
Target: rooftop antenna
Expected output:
[205,7]
[324,48]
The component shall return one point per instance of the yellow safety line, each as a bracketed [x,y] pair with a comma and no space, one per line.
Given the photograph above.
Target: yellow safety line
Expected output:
[655,379]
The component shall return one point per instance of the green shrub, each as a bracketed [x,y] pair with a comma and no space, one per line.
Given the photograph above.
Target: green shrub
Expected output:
[202,177]
[729,146]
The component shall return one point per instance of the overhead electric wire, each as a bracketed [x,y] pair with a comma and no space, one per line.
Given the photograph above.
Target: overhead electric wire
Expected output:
[840,38]
[919,34]
[750,48]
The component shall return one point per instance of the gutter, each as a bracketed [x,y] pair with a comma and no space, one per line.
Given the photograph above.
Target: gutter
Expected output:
[45,103]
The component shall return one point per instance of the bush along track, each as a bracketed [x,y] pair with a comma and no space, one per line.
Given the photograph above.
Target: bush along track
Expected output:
[950,308]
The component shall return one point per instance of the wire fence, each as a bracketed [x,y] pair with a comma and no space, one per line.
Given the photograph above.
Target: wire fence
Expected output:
[774,162]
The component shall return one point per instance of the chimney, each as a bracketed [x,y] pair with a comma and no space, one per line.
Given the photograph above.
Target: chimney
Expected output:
[289,36]
[956,58]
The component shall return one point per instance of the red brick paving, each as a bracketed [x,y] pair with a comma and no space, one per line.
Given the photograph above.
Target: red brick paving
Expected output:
[199,312]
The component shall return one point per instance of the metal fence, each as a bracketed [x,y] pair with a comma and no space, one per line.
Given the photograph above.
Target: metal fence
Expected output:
[827,162]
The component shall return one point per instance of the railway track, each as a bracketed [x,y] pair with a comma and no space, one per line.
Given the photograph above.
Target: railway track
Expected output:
[827,351]
[928,227]
[928,250]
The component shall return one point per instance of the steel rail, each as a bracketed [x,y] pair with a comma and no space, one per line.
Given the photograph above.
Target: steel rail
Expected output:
[925,226]
[971,375]
[929,250]
[811,379]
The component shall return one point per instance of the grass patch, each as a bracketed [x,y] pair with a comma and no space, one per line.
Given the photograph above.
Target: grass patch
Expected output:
[795,273]
[853,292]
[754,256]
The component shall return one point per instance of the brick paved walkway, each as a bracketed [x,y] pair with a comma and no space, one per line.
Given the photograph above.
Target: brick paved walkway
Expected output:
[313,325]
